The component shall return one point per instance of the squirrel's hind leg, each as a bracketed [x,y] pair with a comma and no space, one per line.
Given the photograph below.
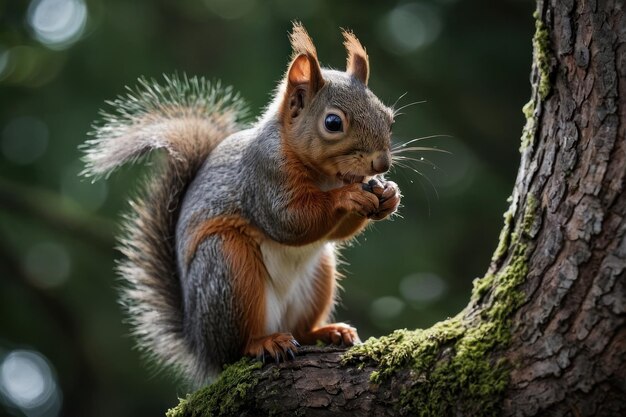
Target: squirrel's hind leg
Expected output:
[234,249]
[210,324]
[249,277]
[313,328]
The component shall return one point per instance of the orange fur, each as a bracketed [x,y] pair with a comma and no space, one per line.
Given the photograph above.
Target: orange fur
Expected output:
[218,225]
[240,243]
[249,277]
[351,225]
[325,214]
[309,204]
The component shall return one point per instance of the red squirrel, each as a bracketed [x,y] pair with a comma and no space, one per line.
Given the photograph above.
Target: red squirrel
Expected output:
[230,249]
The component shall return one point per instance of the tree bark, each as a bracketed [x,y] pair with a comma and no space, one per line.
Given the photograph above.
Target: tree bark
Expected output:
[544,333]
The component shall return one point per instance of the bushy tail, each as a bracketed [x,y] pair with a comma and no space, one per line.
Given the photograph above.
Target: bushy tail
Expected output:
[187,117]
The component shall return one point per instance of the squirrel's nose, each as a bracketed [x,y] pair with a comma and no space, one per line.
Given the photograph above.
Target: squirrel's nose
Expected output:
[381,162]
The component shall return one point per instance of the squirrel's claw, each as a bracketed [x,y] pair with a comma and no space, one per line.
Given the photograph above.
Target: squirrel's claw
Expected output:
[276,347]
[291,355]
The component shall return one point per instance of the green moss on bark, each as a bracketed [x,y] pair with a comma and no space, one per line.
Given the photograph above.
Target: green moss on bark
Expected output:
[222,398]
[542,52]
[505,237]
[542,55]
[456,360]
[528,132]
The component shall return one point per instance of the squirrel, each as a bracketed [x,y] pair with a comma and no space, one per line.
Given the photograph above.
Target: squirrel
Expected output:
[230,249]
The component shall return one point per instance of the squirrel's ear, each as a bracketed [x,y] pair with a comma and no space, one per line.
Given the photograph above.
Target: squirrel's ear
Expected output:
[304,76]
[358,62]
[304,79]
[305,71]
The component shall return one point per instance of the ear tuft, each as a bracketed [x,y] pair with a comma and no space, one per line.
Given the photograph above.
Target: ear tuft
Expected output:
[301,42]
[358,61]
[304,69]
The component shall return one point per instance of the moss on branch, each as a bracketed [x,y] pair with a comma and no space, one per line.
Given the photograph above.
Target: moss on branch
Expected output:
[456,360]
[224,397]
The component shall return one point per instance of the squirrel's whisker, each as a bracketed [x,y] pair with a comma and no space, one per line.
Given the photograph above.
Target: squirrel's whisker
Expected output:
[421,160]
[396,111]
[398,99]
[418,149]
[401,145]
[421,174]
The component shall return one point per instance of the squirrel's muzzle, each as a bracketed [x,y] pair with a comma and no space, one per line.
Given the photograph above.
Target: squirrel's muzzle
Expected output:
[381,162]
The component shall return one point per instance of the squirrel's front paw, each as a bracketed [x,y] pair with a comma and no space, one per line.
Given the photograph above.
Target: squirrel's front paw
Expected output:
[388,195]
[277,346]
[359,199]
[336,334]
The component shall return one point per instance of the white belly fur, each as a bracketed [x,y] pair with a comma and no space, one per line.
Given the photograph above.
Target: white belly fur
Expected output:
[290,289]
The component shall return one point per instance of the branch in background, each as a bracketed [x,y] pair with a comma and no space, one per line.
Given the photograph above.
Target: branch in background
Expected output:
[57,213]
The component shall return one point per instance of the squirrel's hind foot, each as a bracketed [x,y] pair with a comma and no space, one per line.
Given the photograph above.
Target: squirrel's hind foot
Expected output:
[277,346]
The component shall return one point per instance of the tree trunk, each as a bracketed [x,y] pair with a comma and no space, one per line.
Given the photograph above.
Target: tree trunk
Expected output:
[569,339]
[544,332]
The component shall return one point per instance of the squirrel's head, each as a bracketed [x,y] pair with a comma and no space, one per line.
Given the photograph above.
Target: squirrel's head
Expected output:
[330,118]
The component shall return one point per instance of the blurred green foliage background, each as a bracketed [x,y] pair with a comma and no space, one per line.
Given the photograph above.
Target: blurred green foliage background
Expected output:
[64,349]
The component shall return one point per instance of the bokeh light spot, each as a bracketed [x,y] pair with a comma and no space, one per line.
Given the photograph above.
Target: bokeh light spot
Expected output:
[48,263]
[422,287]
[27,382]
[410,26]
[57,23]
[24,140]
[386,308]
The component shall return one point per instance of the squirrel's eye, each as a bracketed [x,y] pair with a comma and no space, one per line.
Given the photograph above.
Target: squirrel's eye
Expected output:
[333,123]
